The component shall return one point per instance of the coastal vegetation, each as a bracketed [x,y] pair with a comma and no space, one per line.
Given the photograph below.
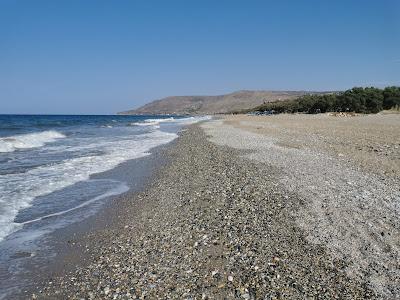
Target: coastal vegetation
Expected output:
[357,99]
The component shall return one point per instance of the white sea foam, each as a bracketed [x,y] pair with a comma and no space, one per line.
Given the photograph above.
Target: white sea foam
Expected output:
[17,191]
[186,121]
[30,140]
[171,119]
[192,120]
[154,124]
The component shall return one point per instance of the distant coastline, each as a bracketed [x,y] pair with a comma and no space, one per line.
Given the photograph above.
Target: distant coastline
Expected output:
[206,105]
[360,100]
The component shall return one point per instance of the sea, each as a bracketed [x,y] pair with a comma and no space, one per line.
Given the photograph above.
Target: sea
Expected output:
[47,163]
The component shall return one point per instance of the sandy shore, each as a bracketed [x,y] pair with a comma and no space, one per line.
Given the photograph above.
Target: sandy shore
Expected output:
[255,208]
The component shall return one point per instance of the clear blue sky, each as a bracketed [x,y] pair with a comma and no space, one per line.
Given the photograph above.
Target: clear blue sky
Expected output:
[107,56]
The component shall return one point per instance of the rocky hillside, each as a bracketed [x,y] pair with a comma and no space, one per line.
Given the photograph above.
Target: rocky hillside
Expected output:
[182,105]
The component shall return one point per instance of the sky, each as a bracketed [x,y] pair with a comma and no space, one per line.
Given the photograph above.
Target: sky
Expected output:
[101,57]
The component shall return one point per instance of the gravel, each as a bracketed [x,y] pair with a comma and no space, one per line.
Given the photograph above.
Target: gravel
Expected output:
[213,224]
[347,208]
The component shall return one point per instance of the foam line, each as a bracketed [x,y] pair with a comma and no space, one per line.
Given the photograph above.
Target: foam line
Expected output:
[116,191]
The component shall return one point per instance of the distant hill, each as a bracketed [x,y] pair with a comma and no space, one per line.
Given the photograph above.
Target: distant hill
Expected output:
[192,105]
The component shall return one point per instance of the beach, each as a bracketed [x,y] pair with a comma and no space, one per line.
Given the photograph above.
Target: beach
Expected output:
[251,207]
[199,150]
[58,172]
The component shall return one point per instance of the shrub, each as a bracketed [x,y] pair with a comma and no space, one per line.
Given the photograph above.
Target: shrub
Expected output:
[358,99]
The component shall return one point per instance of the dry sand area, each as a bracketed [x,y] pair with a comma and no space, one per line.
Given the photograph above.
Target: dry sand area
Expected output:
[346,171]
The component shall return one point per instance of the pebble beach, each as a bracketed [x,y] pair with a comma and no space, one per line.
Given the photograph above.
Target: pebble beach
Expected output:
[253,208]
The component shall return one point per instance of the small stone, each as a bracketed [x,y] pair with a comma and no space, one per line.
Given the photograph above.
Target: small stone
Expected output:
[106,290]
[230,278]
[246,296]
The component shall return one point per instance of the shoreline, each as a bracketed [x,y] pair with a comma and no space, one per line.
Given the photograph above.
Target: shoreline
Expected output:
[67,244]
[211,223]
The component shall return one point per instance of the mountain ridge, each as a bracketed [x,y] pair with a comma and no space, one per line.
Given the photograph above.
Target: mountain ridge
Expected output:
[218,104]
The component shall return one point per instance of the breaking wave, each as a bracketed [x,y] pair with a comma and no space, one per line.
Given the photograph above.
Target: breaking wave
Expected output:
[30,140]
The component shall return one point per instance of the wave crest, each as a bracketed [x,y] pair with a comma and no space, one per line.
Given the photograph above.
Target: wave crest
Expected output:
[29,140]
[184,121]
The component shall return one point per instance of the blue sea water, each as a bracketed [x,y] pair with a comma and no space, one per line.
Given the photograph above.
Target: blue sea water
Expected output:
[47,163]
[40,155]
